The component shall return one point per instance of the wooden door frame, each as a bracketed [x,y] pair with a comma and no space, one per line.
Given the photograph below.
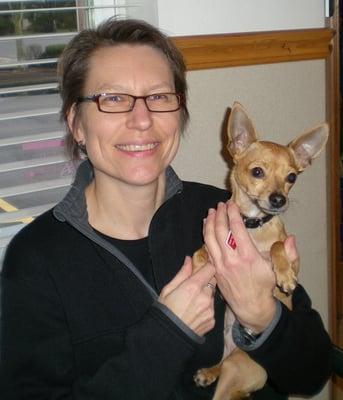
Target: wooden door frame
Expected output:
[333,111]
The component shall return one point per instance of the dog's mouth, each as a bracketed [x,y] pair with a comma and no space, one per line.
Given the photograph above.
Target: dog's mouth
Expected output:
[275,204]
[269,210]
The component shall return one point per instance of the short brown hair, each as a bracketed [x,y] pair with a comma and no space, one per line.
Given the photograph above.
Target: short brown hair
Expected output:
[74,60]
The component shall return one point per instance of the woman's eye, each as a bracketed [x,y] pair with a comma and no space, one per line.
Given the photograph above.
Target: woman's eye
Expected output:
[113,99]
[158,97]
[291,178]
[257,172]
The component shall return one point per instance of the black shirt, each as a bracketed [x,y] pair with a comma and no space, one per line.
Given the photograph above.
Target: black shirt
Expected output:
[138,252]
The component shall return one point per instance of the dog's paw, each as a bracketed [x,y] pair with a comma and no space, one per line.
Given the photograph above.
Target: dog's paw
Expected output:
[204,377]
[287,281]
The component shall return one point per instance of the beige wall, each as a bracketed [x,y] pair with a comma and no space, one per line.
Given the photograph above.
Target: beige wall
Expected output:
[283,100]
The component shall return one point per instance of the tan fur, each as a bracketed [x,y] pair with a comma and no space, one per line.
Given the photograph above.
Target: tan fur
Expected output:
[238,374]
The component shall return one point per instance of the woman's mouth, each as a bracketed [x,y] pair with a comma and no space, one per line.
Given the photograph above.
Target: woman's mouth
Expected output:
[136,147]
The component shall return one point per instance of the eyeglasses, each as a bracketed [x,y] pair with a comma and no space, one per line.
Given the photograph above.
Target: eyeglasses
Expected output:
[122,102]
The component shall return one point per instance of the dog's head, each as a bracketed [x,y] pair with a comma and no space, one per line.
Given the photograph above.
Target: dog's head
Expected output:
[264,172]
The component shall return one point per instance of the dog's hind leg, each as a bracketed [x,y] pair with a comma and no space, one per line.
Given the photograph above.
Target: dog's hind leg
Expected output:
[239,377]
[206,376]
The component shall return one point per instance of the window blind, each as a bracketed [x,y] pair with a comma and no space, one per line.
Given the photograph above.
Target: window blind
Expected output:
[34,171]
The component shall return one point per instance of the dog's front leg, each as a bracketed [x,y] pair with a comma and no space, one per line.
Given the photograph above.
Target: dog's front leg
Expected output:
[286,272]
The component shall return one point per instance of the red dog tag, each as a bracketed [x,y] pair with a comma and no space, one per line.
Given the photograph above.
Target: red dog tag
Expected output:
[230,241]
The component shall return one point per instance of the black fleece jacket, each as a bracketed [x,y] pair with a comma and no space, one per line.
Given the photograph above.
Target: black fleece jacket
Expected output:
[79,322]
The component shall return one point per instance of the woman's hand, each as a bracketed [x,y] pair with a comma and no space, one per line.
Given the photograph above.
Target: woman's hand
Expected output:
[245,279]
[189,297]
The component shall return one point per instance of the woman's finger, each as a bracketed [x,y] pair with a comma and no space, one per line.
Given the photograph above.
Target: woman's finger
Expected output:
[222,230]
[210,237]
[238,229]
[203,276]
[211,286]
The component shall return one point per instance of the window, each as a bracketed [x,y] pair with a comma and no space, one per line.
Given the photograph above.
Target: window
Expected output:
[34,171]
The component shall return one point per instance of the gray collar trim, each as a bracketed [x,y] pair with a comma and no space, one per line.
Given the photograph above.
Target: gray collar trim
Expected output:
[73,207]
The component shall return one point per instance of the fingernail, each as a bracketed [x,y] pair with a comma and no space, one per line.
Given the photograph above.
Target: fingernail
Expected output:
[211,211]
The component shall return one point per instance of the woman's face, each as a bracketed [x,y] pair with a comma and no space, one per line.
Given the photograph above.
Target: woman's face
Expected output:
[134,147]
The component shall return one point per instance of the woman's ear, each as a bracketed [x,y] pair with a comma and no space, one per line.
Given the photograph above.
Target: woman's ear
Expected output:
[74,124]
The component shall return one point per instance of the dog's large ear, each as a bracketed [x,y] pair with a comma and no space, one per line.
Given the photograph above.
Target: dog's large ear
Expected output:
[240,130]
[308,145]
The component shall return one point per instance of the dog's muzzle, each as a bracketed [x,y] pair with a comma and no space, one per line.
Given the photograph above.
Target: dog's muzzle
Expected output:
[277,200]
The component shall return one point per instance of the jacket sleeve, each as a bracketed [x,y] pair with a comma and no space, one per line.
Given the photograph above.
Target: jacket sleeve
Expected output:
[297,355]
[37,359]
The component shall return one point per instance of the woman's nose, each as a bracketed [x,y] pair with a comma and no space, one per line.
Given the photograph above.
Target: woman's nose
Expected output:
[140,117]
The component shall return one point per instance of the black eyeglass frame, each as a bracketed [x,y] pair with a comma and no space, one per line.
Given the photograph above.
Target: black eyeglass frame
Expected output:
[95,98]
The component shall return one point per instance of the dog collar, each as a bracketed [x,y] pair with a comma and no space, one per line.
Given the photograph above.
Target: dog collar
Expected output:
[252,223]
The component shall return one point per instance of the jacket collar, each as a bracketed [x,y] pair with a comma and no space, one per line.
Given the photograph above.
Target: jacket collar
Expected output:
[73,207]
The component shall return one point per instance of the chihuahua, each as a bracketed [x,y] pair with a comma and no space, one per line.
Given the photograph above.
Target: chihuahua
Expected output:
[261,177]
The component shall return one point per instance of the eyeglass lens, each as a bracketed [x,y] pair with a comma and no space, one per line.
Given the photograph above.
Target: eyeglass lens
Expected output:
[117,102]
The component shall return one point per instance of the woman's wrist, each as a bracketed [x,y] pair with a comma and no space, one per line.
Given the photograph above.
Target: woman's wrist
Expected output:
[261,319]
[248,340]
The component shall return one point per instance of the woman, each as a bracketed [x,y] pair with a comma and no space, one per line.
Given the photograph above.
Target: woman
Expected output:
[98,296]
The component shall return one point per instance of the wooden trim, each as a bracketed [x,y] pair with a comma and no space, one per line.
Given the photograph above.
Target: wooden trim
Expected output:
[238,49]
[333,167]
[334,207]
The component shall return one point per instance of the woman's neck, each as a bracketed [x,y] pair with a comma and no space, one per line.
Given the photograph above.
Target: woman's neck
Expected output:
[123,211]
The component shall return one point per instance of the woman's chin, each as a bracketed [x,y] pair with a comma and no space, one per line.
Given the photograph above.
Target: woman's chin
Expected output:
[143,176]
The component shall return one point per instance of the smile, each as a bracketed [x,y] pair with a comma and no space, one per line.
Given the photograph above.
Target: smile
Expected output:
[136,147]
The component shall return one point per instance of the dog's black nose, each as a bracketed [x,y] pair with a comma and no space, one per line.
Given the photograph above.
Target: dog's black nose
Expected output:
[277,200]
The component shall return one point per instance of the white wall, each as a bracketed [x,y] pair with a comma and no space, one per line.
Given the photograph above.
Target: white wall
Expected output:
[193,17]
[144,9]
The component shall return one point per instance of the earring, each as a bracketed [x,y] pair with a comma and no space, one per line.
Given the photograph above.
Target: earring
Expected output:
[82,147]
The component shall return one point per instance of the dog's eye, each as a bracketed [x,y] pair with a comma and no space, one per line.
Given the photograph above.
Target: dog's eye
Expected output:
[257,172]
[291,178]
